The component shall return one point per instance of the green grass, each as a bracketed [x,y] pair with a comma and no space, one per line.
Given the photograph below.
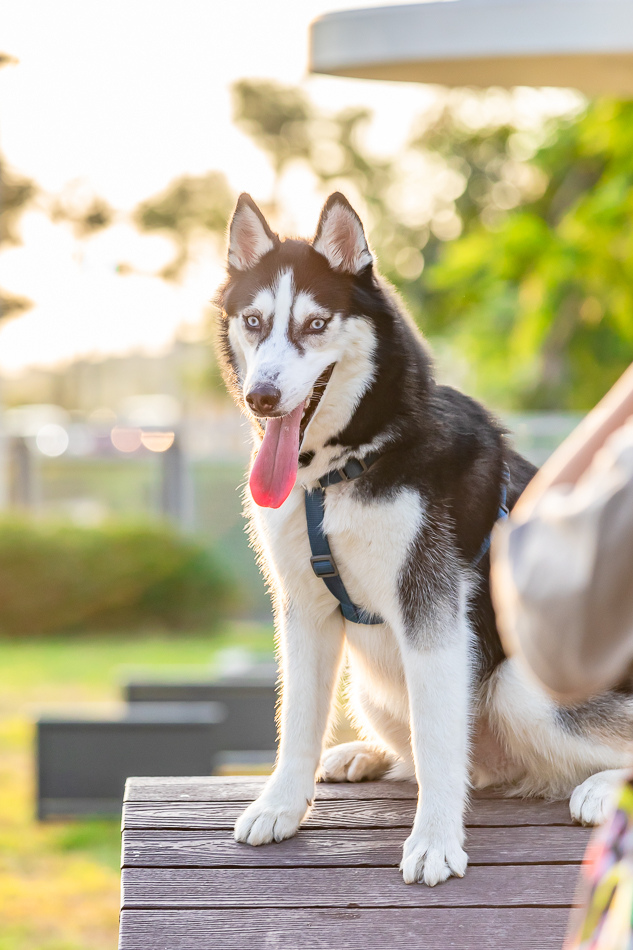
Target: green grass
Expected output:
[59,881]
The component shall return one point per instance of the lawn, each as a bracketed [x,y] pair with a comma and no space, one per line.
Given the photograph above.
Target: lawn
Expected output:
[59,881]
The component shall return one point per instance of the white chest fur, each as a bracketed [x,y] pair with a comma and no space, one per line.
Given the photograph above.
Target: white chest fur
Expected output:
[369,541]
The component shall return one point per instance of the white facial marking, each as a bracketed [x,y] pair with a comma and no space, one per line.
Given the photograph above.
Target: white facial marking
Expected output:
[269,355]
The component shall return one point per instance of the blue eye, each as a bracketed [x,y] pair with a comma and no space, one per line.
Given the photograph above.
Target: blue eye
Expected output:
[318,324]
[252,321]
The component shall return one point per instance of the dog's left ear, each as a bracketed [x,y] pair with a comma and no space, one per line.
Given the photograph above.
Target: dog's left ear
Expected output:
[340,236]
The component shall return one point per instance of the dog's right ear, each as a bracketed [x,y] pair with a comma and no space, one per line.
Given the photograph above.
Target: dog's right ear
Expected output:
[249,235]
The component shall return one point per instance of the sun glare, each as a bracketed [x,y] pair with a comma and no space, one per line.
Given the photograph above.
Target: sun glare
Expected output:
[127,98]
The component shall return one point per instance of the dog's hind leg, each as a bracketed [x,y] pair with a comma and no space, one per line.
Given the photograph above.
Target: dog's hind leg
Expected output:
[580,751]
[355,762]
[384,751]
[590,802]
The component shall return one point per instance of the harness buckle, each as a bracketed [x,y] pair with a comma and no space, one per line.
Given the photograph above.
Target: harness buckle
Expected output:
[352,469]
[324,565]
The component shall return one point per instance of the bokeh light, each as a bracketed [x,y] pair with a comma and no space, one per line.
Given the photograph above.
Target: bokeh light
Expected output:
[158,441]
[52,440]
[125,439]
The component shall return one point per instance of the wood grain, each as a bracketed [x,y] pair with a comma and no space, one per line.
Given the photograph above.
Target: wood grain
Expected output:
[369,813]
[213,789]
[187,885]
[331,929]
[547,885]
[345,848]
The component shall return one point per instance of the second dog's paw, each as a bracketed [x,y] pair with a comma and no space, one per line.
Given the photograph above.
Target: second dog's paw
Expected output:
[353,762]
[590,802]
[266,820]
[430,862]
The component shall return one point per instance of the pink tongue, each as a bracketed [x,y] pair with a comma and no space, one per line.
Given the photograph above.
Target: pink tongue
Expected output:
[275,470]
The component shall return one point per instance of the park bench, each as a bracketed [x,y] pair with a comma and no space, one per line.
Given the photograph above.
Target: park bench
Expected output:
[187,885]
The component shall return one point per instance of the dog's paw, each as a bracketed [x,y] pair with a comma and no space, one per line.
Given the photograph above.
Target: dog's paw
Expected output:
[267,820]
[353,762]
[427,861]
[590,802]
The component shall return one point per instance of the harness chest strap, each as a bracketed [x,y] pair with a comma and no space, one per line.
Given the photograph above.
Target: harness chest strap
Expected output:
[322,560]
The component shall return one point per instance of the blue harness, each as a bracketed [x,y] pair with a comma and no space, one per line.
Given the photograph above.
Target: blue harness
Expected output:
[322,560]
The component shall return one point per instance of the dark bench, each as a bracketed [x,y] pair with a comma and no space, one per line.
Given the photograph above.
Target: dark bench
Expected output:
[249,703]
[187,885]
[163,728]
[84,759]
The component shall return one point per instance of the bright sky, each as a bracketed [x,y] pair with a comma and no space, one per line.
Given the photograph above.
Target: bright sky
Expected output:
[125,96]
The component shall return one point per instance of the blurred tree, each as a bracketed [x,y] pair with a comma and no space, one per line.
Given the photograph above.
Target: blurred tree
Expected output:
[540,296]
[16,192]
[189,207]
[82,208]
[524,234]
[527,235]
[276,117]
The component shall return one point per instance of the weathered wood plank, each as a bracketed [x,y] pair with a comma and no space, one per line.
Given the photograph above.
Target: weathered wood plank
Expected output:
[370,813]
[546,885]
[424,929]
[342,848]
[246,788]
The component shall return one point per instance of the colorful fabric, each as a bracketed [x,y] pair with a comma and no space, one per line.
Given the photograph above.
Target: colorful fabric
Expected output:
[606,892]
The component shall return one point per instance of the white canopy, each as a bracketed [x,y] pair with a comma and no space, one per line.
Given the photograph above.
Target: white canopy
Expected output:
[585,44]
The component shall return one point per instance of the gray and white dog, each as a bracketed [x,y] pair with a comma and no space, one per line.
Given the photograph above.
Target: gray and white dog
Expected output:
[328,368]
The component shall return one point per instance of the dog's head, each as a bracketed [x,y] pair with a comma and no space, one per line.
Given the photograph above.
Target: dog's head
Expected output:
[288,321]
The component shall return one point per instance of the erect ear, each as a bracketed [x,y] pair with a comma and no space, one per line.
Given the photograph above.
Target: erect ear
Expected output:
[340,236]
[249,235]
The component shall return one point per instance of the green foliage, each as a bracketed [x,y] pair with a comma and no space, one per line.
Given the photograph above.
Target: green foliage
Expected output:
[527,238]
[65,578]
[87,212]
[275,117]
[17,192]
[511,245]
[542,300]
[188,207]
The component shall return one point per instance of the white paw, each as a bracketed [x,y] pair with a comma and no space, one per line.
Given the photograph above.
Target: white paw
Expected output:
[590,802]
[353,762]
[266,820]
[430,862]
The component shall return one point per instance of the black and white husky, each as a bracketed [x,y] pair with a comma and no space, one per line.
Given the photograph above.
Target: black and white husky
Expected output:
[318,353]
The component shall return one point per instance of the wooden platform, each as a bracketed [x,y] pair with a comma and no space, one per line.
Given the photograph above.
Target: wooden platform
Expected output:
[187,885]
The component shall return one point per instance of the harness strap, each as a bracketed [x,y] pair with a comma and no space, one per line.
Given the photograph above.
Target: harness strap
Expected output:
[351,470]
[323,563]
[501,514]
[322,560]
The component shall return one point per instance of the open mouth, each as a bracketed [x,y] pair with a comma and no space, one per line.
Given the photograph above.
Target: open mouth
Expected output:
[313,400]
[274,471]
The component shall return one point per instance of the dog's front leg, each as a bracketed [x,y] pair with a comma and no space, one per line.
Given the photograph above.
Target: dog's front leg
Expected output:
[311,654]
[438,680]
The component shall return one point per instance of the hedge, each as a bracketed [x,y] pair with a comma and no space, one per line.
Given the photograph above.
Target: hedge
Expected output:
[62,578]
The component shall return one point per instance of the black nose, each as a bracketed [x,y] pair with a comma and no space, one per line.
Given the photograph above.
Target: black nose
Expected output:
[263,398]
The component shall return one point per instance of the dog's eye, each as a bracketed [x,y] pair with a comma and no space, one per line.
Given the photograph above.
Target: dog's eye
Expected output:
[252,321]
[317,324]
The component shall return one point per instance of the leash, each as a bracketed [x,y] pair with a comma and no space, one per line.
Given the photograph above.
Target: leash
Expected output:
[322,559]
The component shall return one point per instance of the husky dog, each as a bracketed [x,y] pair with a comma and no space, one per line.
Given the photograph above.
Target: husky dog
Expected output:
[328,369]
